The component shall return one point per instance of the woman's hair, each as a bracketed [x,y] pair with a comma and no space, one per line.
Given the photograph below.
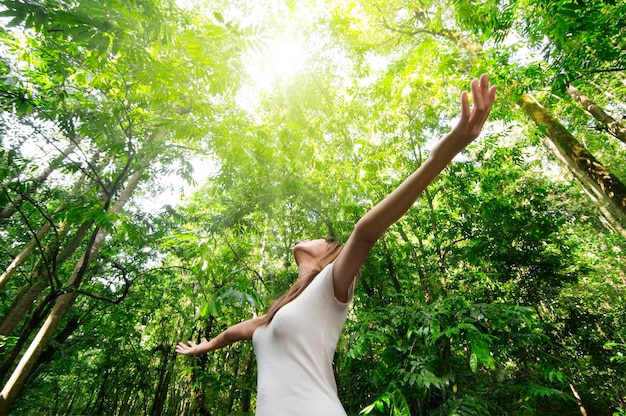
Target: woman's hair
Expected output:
[332,251]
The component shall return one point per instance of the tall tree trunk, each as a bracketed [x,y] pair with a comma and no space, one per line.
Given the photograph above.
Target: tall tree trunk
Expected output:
[608,122]
[100,398]
[609,191]
[198,388]
[29,360]
[47,354]
[125,404]
[234,391]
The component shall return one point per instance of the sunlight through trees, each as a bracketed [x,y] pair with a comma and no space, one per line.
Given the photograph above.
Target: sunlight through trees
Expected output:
[500,293]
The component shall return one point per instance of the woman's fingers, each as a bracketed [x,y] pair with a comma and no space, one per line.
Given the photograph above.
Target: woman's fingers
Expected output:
[477,96]
[183,348]
[465,108]
[483,97]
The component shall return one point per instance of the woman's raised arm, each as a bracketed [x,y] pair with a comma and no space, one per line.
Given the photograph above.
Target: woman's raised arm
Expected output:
[373,224]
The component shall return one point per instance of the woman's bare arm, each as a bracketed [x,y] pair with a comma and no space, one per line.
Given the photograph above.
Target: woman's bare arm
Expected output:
[239,332]
[374,223]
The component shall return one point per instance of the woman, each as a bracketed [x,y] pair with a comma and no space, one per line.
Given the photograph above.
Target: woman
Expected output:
[296,339]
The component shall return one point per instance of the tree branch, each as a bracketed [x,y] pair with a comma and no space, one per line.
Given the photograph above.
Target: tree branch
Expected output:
[127,283]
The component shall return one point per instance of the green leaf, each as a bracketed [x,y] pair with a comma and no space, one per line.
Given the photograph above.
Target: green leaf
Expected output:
[218,16]
[473,361]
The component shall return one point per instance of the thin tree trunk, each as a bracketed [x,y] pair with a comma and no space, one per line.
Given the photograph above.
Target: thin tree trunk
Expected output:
[125,401]
[70,406]
[23,304]
[438,252]
[27,364]
[40,281]
[9,210]
[608,122]
[35,320]
[233,392]
[248,388]
[70,327]
[30,246]
[23,255]
[165,376]
[591,173]
[364,283]
[100,399]
[579,401]
[390,267]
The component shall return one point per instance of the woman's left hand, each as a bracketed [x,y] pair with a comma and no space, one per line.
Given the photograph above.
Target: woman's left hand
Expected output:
[472,120]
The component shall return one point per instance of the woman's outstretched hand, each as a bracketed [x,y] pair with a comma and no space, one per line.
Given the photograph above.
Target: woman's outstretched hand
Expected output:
[472,119]
[191,348]
[238,332]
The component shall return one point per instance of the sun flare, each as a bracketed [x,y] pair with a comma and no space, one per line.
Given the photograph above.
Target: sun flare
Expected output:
[281,58]
[286,57]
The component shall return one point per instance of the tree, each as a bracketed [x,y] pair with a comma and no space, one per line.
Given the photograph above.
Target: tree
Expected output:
[611,125]
[120,85]
[585,167]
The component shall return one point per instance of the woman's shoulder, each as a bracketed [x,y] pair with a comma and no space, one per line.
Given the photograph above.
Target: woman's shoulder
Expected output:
[327,279]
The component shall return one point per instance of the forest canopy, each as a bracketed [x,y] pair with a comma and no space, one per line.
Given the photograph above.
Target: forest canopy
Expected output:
[159,159]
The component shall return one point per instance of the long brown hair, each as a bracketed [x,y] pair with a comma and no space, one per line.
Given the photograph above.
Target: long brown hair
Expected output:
[332,251]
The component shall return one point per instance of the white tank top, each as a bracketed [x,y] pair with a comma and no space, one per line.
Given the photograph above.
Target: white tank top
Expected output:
[295,354]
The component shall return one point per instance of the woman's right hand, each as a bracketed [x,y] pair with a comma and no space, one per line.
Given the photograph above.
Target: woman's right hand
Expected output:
[191,348]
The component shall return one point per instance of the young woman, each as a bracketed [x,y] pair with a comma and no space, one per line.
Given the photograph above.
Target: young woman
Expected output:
[296,339]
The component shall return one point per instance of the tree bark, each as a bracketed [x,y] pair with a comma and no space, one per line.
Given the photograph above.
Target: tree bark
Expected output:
[29,360]
[609,191]
[612,126]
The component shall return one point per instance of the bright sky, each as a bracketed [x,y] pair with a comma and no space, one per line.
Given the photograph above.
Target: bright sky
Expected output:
[282,57]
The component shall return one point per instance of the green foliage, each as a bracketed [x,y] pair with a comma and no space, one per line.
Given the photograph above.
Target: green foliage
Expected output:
[393,400]
[500,293]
